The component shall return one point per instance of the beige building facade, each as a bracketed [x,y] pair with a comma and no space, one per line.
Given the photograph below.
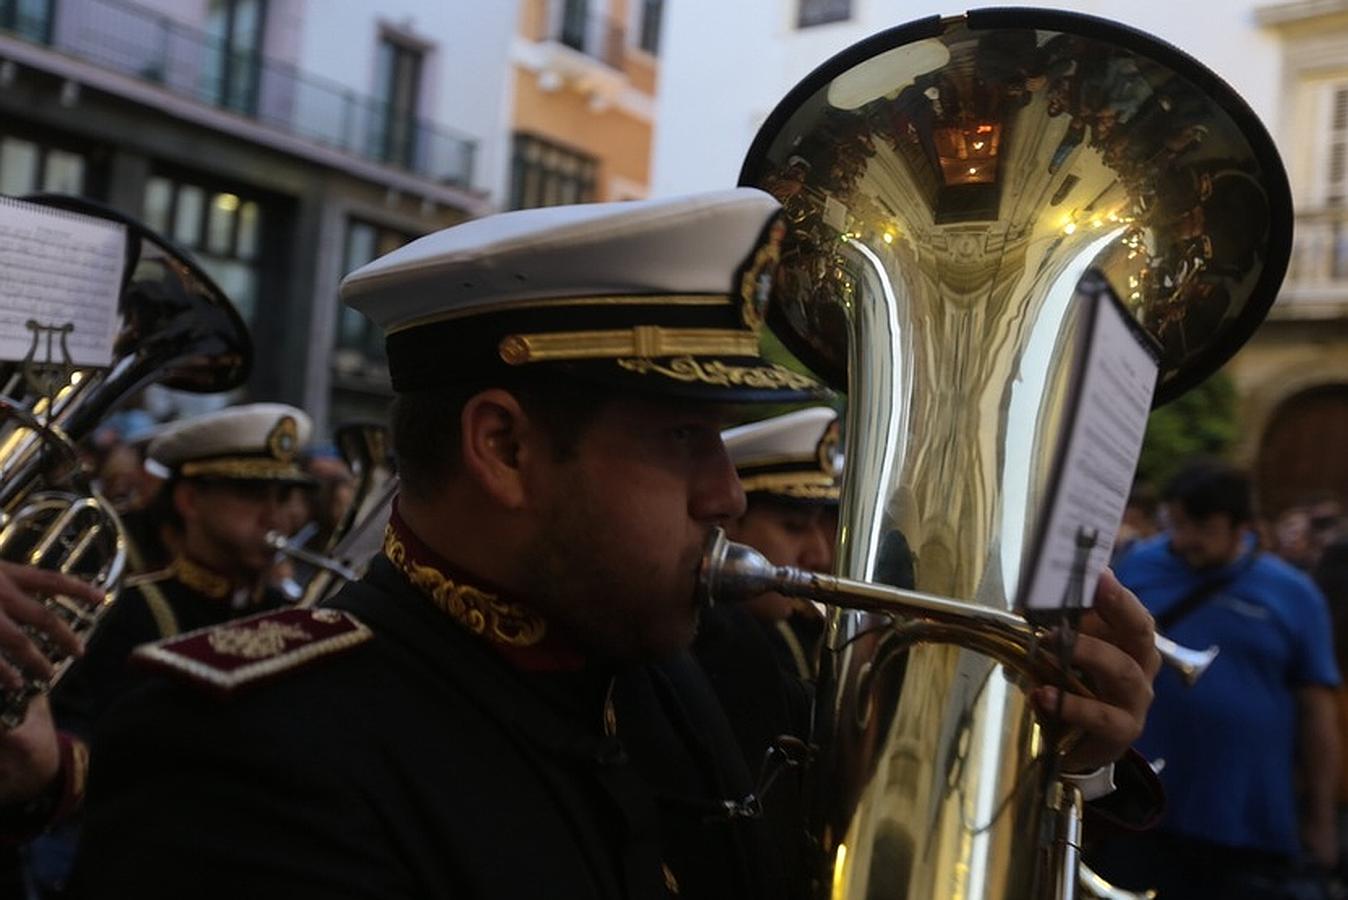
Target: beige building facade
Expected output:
[1292,378]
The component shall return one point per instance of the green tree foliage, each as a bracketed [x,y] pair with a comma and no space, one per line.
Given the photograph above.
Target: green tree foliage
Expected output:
[1200,423]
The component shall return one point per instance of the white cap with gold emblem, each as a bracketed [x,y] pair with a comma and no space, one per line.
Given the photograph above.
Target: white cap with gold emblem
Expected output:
[658,295]
[255,442]
[794,457]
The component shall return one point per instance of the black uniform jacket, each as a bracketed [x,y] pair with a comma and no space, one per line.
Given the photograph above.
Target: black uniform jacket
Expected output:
[421,764]
[764,702]
[148,608]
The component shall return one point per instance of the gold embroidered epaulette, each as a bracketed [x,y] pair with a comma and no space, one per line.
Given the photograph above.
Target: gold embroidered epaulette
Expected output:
[246,651]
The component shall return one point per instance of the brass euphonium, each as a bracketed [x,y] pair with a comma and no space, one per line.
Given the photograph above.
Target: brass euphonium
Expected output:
[176,328]
[945,186]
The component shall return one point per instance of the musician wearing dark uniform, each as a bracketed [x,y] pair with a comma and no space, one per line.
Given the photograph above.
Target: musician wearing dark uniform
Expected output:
[790,467]
[504,706]
[230,476]
[761,655]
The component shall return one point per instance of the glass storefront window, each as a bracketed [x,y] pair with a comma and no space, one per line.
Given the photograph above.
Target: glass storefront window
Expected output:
[187,215]
[158,203]
[247,237]
[63,173]
[220,223]
[27,166]
[18,166]
[221,228]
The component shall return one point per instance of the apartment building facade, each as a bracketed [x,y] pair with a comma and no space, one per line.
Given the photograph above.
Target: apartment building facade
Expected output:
[283,141]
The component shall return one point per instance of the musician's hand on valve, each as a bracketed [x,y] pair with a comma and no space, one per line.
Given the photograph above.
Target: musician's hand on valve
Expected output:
[19,588]
[1115,650]
[30,756]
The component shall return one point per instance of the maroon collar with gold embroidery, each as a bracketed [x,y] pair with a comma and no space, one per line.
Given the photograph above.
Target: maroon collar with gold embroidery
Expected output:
[510,627]
[211,584]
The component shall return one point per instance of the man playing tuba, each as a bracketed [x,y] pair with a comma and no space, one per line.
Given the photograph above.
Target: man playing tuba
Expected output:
[504,705]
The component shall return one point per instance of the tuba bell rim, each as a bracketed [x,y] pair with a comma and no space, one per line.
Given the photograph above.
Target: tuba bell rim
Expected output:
[1277,251]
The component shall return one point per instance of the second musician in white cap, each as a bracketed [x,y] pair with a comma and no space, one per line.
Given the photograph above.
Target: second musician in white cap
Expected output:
[231,476]
[790,467]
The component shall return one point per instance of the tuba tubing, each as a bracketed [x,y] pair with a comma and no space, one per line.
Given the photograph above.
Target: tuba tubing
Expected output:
[732,572]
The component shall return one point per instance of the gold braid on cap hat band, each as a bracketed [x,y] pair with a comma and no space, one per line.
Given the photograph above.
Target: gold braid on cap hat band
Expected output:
[816,485]
[646,341]
[244,468]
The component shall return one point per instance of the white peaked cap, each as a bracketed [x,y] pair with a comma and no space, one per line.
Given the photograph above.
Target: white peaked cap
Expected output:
[795,456]
[659,294]
[254,442]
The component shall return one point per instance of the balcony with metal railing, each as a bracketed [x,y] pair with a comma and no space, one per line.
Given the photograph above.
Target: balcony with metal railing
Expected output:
[1317,277]
[573,24]
[122,37]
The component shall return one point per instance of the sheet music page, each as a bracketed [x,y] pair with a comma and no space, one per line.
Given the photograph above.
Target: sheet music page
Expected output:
[1100,454]
[58,269]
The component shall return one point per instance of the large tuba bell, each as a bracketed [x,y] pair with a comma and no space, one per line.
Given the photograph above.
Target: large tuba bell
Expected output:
[177,328]
[946,185]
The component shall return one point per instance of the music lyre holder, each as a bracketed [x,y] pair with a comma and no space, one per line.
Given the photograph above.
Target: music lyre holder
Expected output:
[46,377]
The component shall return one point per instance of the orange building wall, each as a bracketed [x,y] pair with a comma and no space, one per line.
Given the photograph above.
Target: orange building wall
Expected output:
[621,143]
[641,68]
[618,140]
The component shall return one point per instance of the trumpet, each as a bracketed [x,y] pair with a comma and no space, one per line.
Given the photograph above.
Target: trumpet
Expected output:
[366,449]
[732,572]
[286,547]
[1188,662]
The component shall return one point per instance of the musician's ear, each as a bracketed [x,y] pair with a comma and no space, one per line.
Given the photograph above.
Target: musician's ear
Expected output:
[498,442]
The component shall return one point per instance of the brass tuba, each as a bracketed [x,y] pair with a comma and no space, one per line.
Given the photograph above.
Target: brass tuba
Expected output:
[946,184]
[176,328]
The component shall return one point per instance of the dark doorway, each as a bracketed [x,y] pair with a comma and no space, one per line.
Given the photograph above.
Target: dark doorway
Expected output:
[1304,449]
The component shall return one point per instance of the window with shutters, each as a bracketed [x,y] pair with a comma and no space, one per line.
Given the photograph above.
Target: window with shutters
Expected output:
[396,127]
[648,39]
[1323,238]
[821,12]
[544,173]
[1336,162]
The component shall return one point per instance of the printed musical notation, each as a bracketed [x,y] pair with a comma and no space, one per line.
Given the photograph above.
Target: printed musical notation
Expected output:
[58,269]
[1114,383]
